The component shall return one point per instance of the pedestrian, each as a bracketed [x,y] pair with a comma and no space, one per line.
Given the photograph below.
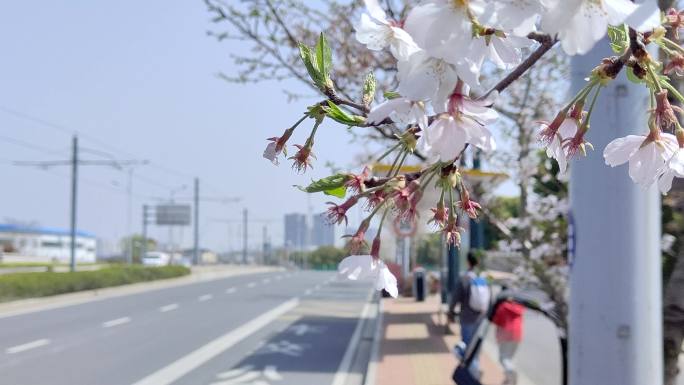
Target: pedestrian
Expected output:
[509,323]
[473,295]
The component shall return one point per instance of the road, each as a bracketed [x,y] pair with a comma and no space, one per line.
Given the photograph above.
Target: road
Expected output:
[259,329]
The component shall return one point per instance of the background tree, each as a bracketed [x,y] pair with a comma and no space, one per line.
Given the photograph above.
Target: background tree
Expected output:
[137,241]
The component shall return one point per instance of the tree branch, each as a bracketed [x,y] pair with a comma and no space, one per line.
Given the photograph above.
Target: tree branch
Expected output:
[546,43]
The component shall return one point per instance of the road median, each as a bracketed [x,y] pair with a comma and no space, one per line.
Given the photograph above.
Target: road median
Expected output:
[198,274]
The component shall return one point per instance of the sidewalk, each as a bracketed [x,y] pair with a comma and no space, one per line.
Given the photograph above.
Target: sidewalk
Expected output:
[414,349]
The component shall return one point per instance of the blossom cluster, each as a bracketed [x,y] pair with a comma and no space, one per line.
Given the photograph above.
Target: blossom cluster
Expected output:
[441,107]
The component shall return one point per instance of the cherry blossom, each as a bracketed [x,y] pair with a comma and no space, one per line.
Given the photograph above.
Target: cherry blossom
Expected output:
[579,24]
[423,77]
[555,149]
[377,32]
[357,267]
[504,52]
[400,110]
[673,168]
[646,155]
[517,16]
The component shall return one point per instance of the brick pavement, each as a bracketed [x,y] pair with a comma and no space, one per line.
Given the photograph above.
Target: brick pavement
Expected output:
[414,349]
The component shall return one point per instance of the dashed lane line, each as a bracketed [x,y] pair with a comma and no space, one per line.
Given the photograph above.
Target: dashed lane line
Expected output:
[27,346]
[116,322]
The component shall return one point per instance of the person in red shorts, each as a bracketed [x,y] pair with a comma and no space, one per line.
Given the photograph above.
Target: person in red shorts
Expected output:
[509,320]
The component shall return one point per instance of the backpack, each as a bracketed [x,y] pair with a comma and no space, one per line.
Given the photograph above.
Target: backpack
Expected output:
[480,295]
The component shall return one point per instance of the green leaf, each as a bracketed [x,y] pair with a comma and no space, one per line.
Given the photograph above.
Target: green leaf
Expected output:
[391,94]
[323,57]
[331,185]
[369,89]
[339,115]
[311,65]
[619,37]
[338,192]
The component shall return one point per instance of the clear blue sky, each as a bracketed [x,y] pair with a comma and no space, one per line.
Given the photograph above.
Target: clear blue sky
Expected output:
[137,80]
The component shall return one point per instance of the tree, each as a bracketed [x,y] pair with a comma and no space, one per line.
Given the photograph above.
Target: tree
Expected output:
[437,52]
[136,240]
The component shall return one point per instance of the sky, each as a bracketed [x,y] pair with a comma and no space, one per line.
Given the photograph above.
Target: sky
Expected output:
[137,81]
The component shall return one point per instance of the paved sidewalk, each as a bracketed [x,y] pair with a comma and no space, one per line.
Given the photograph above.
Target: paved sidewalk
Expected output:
[414,349]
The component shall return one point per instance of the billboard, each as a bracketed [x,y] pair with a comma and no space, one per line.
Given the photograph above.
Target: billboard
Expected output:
[173,215]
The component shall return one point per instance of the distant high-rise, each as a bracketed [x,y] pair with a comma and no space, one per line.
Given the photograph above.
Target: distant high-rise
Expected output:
[322,233]
[295,231]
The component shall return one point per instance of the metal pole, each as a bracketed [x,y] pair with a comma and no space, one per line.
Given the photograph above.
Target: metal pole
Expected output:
[615,333]
[129,215]
[244,236]
[143,247]
[74,191]
[195,251]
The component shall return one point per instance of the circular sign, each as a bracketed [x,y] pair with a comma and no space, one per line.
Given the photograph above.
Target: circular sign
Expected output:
[404,228]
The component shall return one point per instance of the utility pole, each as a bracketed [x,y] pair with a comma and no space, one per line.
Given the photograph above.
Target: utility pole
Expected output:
[74,192]
[195,251]
[615,333]
[74,162]
[244,236]
[129,213]
[143,247]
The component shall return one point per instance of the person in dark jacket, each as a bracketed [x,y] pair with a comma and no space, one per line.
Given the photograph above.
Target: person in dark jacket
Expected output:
[469,319]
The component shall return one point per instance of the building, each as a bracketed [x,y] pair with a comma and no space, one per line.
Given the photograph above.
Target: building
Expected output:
[44,244]
[322,232]
[296,232]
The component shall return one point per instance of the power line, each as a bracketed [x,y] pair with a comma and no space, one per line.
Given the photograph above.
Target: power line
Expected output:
[32,146]
[66,130]
[74,162]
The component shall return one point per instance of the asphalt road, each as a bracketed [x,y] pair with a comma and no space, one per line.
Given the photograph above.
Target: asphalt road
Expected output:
[259,329]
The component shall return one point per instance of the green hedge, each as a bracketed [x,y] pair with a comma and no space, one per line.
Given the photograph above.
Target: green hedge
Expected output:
[27,285]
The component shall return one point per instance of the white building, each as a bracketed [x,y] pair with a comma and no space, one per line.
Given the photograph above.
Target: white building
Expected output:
[44,244]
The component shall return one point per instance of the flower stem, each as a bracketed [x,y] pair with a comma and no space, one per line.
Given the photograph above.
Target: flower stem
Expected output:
[388,152]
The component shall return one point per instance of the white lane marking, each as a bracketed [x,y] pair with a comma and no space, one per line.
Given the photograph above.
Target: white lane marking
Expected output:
[205,297]
[231,290]
[27,346]
[192,361]
[169,307]
[266,280]
[345,365]
[116,322]
[251,284]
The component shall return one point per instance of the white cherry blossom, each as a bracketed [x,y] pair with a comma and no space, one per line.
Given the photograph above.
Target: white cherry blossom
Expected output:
[555,150]
[518,17]
[646,157]
[673,168]
[400,110]
[447,136]
[424,77]
[356,267]
[502,51]
[377,32]
[579,24]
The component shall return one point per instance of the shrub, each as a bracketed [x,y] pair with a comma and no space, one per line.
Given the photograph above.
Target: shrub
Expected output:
[27,285]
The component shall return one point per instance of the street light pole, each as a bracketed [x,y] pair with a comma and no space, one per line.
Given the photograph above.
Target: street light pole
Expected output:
[615,328]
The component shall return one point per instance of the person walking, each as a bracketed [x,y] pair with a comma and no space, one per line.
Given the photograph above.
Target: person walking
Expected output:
[473,295]
[509,323]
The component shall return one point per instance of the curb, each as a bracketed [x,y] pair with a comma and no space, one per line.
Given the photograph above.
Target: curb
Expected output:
[372,368]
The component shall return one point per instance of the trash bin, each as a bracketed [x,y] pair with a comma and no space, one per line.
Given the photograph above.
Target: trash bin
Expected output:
[419,284]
